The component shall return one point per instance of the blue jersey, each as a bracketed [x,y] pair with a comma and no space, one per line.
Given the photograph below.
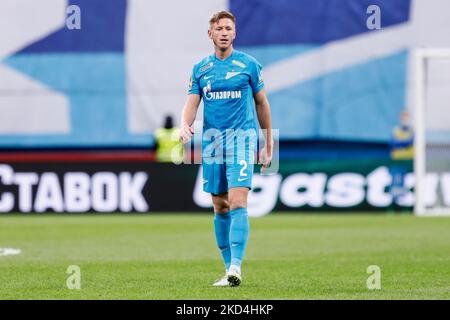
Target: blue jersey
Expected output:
[227,88]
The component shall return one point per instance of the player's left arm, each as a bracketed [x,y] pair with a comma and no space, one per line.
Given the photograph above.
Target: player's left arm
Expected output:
[265,122]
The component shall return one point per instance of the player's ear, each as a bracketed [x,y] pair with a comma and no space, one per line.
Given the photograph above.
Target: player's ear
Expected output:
[210,33]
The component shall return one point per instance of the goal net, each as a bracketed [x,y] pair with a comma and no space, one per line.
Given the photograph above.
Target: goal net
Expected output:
[432,132]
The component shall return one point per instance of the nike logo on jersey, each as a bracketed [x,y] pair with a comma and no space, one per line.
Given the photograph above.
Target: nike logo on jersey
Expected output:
[206,78]
[242,179]
[231,75]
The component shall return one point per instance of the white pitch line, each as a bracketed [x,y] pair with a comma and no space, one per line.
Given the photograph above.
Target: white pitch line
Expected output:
[9,251]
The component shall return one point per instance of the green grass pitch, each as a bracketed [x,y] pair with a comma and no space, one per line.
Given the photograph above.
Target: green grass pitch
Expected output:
[289,256]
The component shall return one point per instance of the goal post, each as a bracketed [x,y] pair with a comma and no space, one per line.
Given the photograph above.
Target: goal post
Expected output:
[431,131]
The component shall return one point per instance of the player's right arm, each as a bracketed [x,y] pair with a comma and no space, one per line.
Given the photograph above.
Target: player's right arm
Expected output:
[188,116]
[190,108]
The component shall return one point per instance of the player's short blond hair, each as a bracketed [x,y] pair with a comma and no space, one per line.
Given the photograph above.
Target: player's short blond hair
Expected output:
[221,15]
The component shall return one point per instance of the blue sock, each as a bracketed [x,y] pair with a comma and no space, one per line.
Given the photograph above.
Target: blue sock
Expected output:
[238,235]
[222,222]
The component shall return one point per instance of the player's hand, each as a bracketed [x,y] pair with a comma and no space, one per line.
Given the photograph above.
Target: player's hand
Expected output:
[265,158]
[186,133]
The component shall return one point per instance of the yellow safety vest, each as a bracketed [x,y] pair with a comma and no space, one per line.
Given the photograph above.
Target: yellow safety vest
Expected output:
[169,148]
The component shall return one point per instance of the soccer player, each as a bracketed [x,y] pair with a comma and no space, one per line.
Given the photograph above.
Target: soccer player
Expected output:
[228,81]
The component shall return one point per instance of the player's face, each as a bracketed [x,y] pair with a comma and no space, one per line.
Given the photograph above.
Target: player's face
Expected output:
[222,33]
[404,118]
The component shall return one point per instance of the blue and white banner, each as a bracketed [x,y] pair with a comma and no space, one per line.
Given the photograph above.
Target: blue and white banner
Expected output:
[111,82]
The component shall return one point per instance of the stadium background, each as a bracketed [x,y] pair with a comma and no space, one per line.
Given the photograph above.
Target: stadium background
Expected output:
[79,107]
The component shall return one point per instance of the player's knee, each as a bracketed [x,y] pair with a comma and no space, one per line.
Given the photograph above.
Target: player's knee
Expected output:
[221,209]
[239,202]
[221,206]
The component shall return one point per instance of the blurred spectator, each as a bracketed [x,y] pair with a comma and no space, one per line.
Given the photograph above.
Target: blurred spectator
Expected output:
[402,143]
[168,146]
[402,153]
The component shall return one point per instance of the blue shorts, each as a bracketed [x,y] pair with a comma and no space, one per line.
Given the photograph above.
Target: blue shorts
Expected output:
[220,177]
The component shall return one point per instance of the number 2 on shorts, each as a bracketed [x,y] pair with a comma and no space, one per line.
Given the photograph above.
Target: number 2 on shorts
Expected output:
[244,164]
